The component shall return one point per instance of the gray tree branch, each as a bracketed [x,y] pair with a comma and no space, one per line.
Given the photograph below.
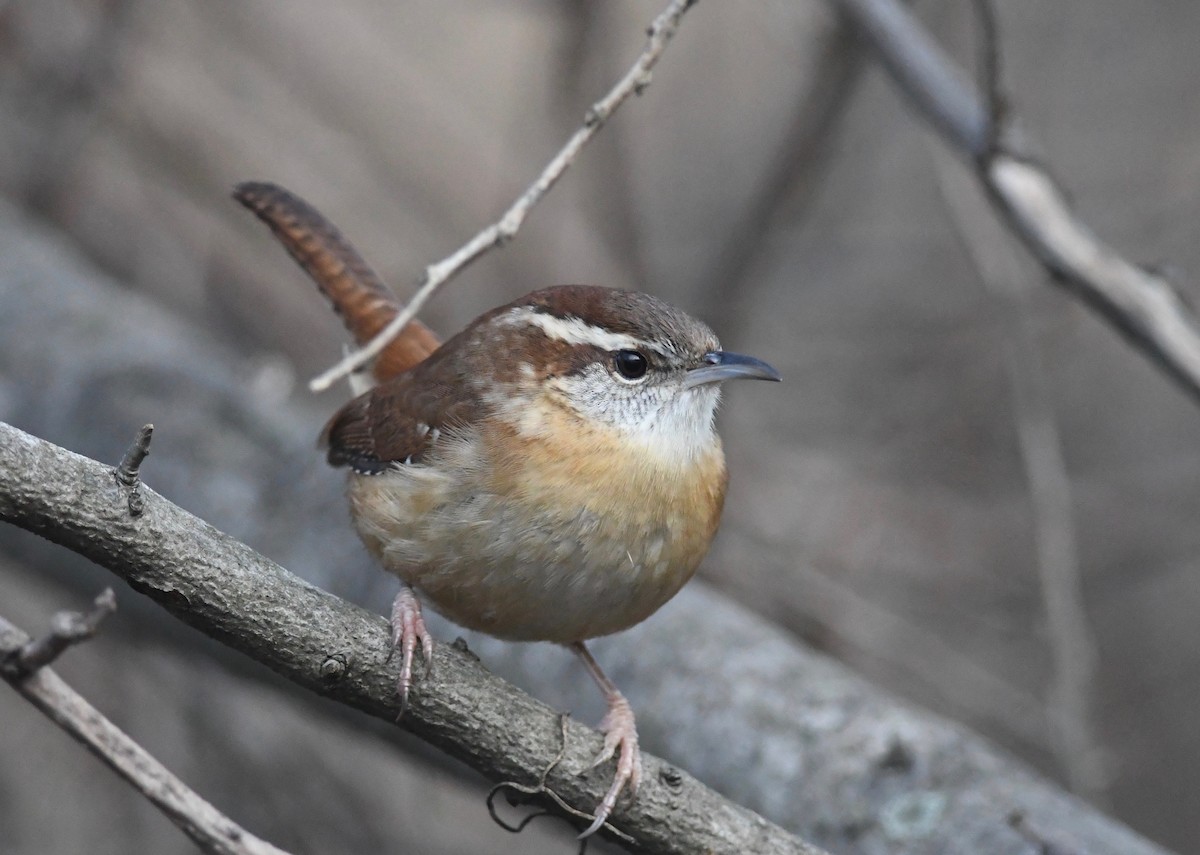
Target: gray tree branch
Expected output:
[67,629]
[22,666]
[1139,303]
[228,591]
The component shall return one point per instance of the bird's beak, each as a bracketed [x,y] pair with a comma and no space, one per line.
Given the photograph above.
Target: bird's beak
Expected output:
[719,366]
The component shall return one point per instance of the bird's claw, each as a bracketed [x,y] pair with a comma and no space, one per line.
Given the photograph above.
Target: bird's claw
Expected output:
[620,739]
[408,628]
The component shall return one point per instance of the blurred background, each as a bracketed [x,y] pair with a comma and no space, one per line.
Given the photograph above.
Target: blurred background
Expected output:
[968,489]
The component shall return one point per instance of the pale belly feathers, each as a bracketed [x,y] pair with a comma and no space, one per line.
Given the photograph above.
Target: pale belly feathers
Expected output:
[579,544]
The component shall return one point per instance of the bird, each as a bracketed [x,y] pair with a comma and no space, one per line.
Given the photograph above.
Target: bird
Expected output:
[551,473]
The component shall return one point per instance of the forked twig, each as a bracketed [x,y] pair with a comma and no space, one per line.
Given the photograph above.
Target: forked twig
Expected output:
[22,665]
[1140,304]
[66,630]
[503,230]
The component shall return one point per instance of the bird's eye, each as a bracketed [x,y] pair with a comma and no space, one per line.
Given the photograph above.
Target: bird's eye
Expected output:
[630,364]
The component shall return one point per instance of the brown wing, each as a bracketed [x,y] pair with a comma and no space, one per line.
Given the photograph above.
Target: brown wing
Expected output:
[395,423]
[355,290]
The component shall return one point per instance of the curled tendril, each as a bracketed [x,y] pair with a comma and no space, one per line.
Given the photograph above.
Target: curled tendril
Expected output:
[517,794]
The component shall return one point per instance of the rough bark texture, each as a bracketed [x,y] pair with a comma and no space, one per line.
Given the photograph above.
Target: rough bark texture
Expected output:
[228,591]
[735,701]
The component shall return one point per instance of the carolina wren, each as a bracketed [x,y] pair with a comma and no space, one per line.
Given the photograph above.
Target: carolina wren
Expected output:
[551,473]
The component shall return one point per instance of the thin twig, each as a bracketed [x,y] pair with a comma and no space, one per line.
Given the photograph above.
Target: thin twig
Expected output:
[1072,646]
[211,830]
[354,290]
[66,630]
[503,230]
[586,31]
[921,69]
[787,188]
[990,74]
[1140,304]
[127,469]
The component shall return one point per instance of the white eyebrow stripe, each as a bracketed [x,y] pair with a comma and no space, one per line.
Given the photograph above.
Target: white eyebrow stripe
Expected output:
[575,331]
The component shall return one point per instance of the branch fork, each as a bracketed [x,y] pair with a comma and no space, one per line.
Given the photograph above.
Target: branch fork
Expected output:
[634,82]
[66,630]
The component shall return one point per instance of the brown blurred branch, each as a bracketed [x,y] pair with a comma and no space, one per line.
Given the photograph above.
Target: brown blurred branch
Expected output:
[1072,646]
[503,230]
[1071,643]
[1140,304]
[22,664]
[227,590]
[788,186]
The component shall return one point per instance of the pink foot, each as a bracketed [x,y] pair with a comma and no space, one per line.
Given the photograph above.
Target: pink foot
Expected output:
[620,738]
[408,627]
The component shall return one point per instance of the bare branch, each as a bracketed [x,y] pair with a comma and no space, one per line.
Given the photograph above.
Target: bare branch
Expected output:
[1140,304]
[66,630]
[922,70]
[211,830]
[989,72]
[503,230]
[325,644]
[1072,646]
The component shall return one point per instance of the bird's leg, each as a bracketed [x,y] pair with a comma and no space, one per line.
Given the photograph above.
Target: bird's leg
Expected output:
[620,738]
[408,628]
